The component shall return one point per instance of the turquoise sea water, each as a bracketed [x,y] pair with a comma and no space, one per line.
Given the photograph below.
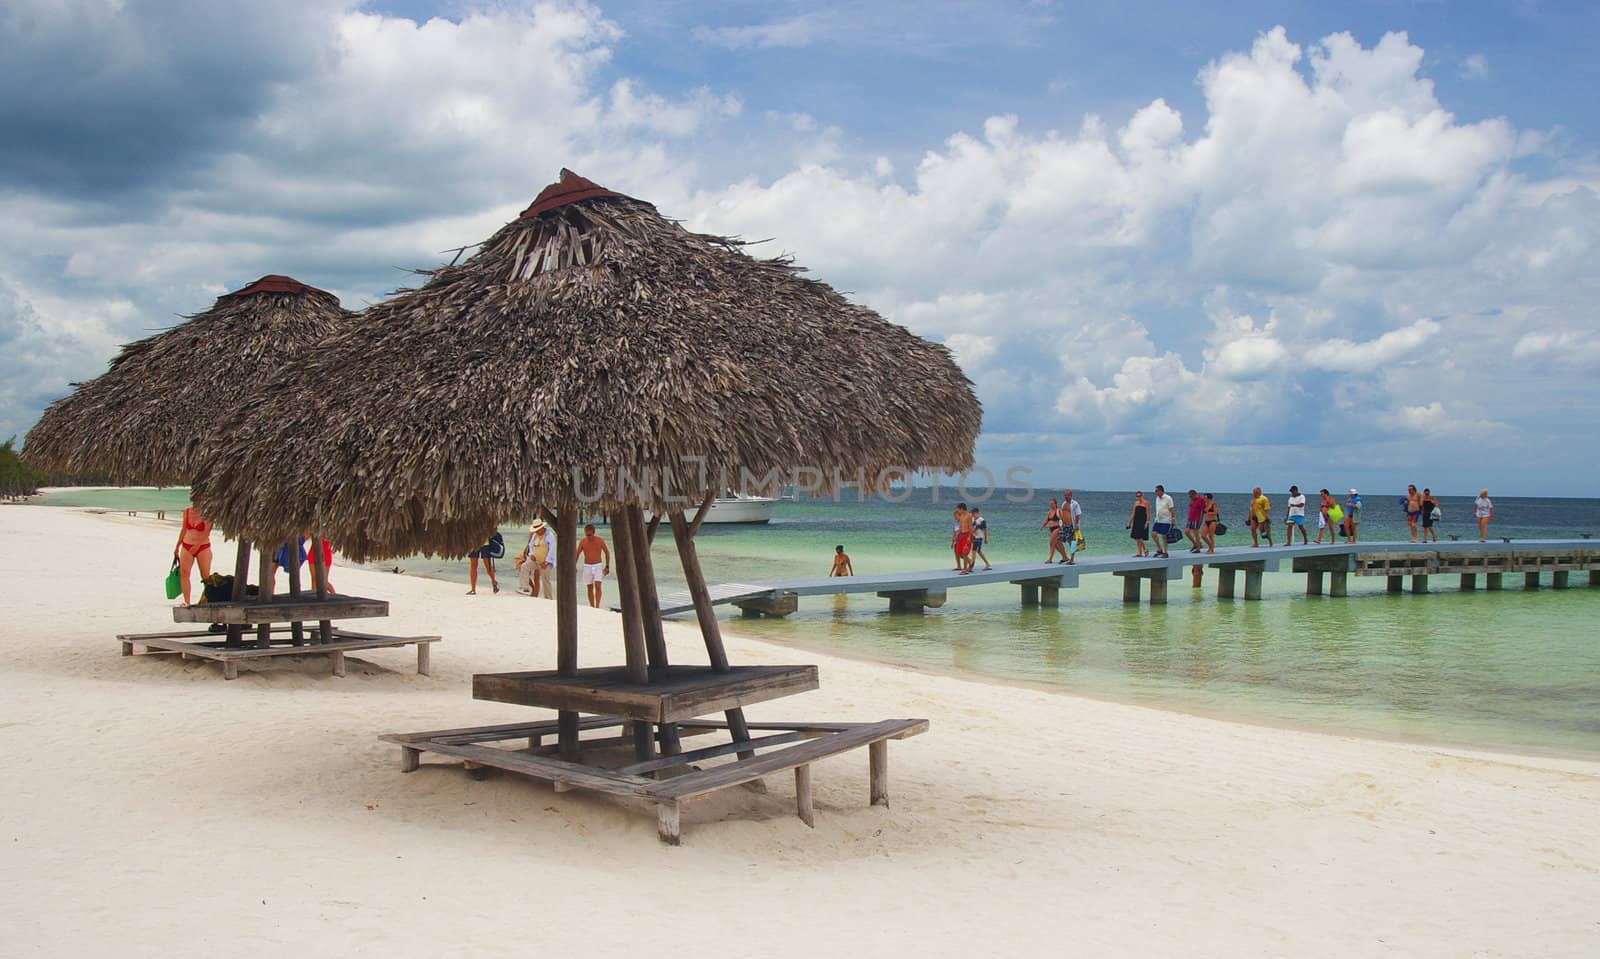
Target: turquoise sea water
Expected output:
[1514,669]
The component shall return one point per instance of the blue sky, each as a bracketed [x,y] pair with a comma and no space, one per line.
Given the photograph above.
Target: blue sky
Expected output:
[1327,244]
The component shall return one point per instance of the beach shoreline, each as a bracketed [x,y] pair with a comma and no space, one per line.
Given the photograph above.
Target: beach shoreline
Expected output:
[867,656]
[1160,831]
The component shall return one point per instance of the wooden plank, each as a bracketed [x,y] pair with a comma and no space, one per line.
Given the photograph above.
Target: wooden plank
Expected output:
[222,654]
[542,727]
[549,770]
[282,611]
[816,729]
[674,694]
[706,781]
[712,752]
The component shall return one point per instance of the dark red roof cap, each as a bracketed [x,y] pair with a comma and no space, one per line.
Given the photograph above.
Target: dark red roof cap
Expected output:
[569,189]
[275,283]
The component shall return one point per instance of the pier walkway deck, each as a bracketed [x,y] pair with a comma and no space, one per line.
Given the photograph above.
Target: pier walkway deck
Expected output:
[1041,583]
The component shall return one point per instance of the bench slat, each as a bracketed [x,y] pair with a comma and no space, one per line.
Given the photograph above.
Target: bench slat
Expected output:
[552,770]
[699,783]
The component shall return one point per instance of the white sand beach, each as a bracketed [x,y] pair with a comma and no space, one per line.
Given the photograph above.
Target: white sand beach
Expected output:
[151,808]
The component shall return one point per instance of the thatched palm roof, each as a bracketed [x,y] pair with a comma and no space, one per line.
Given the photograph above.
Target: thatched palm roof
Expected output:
[588,336]
[167,396]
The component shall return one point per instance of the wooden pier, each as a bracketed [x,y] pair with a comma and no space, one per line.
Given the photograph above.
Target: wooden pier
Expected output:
[1327,568]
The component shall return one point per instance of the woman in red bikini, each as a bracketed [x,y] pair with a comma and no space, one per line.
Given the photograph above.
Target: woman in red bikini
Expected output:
[194,544]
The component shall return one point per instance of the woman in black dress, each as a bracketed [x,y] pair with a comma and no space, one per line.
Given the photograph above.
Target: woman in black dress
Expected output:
[1139,522]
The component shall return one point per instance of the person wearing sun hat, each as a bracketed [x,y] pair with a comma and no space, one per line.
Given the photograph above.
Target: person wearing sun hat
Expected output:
[536,562]
[1352,513]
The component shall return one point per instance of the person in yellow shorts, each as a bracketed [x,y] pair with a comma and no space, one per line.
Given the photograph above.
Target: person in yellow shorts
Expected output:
[1260,521]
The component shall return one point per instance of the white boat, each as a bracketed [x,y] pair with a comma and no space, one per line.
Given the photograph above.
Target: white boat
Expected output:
[741,509]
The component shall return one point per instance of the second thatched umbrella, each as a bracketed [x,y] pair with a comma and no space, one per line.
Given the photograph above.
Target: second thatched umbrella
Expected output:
[168,397]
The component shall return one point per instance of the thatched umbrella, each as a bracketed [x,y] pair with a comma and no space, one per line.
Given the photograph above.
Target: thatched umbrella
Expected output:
[588,337]
[167,397]
[586,346]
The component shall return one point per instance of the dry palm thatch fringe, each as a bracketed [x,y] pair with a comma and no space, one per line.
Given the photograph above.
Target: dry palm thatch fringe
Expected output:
[582,348]
[167,396]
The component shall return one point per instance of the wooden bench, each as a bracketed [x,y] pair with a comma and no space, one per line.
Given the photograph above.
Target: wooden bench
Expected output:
[197,644]
[787,746]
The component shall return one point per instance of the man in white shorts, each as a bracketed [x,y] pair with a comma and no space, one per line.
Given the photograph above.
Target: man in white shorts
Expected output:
[596,559]
[1296,517]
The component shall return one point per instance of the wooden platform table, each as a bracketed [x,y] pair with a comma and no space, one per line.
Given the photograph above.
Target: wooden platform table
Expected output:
[673,694]
[283,609]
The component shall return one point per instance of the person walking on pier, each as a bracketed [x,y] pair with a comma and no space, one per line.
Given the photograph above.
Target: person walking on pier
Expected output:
[841,563]
[1163,512]
[980,537]
[1352,514]
[1210,516]
[1138,525]
[596,558]
[1330,518]
[1195,519]
[1295,517]
[1052,522]
[1071,527]
[1431,515]
[1483,510]
[1413,503]
[1260,518]
[961,539]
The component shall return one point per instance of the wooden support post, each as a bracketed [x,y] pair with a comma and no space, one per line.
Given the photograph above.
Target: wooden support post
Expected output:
[695,579]
[1050,594]
[1419,584]
[319,568]
[1030,594]
[1338,583]
[1225,578]
[297,629]
[644,744]
[1197,574]
[338,661]
[706,614]
[1314,582]
[1130,589]
[878,772]
[1469,582]
[1395,584]
[1252,581]
[566,563]
[667,822]
[622,539]
[802,795]
[671,740]
[264,595]
[1158,589]
[230,669]
[1558,579]
[1494,580]
[1530,580]
[410,759]
[424,659]
[241,576]
[655,642]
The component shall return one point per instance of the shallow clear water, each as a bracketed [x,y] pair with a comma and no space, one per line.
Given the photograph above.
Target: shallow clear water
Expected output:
[1512,669]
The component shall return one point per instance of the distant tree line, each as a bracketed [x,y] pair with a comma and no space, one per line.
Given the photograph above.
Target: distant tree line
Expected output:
[16,478]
